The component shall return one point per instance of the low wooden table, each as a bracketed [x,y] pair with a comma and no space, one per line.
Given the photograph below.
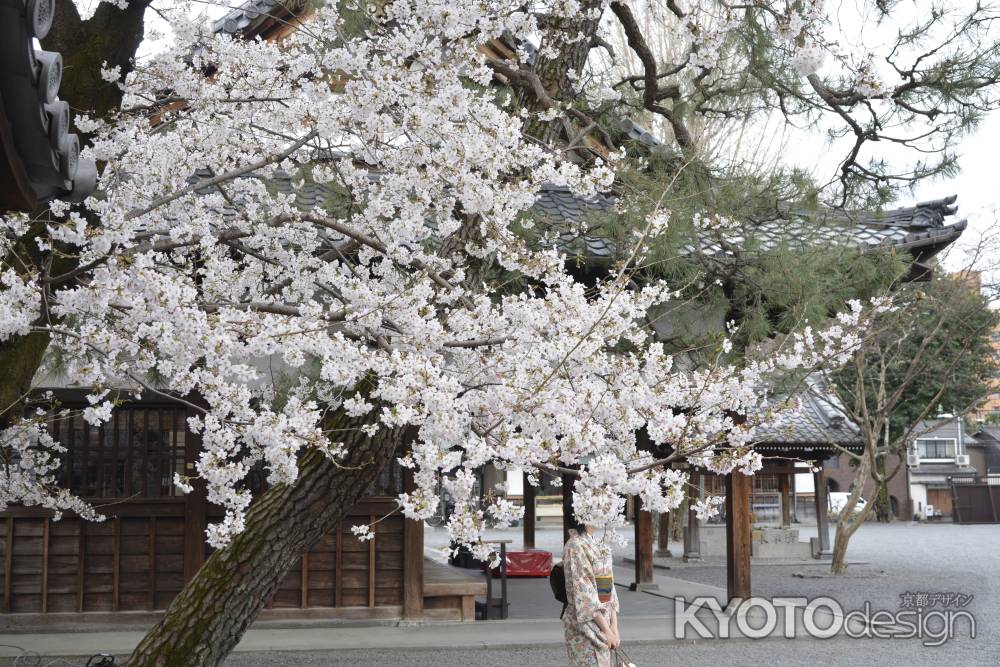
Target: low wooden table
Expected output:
[450,592]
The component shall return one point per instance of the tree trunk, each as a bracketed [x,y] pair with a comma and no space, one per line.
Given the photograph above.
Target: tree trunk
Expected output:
[848,523]
[840,542]
[20,358]
[111,36]
[846,527]
[209,616]
[557,73]
[883,506]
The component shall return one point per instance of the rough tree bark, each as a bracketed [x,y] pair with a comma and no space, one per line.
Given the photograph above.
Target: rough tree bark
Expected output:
[883,506]
[209,616]
[848,522]
[111,36]
[557,73]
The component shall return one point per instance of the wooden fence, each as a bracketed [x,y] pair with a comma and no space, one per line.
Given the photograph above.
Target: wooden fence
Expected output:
[976,500]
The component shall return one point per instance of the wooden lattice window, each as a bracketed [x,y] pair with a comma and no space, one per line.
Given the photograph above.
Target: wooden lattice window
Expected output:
[134,455]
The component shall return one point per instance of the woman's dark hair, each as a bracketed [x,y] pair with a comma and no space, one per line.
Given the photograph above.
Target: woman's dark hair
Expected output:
[575,523]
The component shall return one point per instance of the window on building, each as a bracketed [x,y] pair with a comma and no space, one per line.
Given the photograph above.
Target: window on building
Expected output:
[134,455]
[936,448]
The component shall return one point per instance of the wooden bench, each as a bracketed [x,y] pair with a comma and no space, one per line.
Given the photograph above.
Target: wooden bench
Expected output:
[450,592]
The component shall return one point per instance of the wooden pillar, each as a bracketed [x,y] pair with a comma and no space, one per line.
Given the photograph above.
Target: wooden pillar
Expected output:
[45,565]
[529,513]
[8,566]
[151,565]
[413,561]
[663,535]
[643,549]
[338,560]
[738,536]
[81,563]
[567,503]
[989,492]
[692,531]
[304,582]
[795,499]
[786,509]
[116,552]
[371,564]
[822,520]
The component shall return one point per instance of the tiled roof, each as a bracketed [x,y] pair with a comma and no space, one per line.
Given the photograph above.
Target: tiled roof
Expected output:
[240,18]
[988,435]
[952,468]
[554,204]
[637,132]
[923,229]
[920,228]
[558,205]
[820,423]
[924,225]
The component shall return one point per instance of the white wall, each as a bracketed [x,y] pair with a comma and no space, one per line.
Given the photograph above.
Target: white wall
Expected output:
[804,480]
[918,493]
[515,482]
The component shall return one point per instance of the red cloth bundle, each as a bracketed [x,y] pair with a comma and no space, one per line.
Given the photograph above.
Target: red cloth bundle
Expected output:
[533,563]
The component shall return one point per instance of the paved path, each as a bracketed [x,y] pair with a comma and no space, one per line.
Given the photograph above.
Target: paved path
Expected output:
[494,635]
[903,557]
[536,624]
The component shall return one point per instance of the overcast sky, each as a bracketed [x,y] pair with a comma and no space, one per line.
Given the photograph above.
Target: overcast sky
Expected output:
[977,186]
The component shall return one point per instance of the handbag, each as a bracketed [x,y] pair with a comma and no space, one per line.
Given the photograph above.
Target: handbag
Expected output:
[619,658]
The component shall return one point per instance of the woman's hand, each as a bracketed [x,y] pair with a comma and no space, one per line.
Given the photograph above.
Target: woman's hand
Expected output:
[610,631]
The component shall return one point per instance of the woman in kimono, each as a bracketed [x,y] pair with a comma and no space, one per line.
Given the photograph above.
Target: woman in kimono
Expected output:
[591,619]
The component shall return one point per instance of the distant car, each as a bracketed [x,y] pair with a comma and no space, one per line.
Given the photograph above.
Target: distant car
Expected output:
[838,501]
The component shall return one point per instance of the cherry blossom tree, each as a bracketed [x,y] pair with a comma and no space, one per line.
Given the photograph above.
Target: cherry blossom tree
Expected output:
[389,304]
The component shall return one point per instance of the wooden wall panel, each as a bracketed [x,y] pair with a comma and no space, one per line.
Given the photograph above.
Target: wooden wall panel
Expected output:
[136,561]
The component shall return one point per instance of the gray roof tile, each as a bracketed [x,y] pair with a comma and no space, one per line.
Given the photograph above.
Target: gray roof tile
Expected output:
[906,227]
[239,18]
[819,423]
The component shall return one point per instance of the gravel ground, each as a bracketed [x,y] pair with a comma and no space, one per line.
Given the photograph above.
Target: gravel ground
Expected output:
[770,653]
[899,558]
[903,558]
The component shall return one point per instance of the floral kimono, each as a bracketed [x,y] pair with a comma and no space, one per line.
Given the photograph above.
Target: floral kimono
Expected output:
[589,589]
